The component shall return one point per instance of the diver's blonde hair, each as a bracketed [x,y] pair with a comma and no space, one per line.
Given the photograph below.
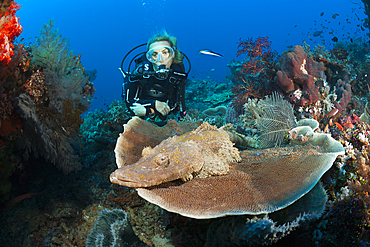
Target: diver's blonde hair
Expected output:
[164,36]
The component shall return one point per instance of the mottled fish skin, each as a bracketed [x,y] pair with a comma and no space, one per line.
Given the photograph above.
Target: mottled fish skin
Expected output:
[203,152]
[166,162]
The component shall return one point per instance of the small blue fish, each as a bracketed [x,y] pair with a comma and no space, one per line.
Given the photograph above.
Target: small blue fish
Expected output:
[209,52]
[317,33]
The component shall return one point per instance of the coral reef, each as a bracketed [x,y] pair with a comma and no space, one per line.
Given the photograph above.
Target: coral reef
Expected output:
[306,148]
[46,139]
[52,103]
[219,98]
[40,110]
[219,110]
[214,115]
[99,132]
[203,94]
[41,102]
[344,93]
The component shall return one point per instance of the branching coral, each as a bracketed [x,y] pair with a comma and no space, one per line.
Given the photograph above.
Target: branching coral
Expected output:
[259,53]
[52,51]
[10,28]
[254,75]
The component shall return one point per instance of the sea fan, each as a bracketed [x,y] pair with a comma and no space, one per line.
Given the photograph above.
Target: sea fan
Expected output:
[275,119]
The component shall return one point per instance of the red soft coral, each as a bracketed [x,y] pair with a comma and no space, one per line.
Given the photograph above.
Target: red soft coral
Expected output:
[9,29]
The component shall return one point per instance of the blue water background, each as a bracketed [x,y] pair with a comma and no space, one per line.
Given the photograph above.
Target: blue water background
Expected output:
[104,31]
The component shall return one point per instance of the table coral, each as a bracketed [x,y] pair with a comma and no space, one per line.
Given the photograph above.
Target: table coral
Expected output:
[270,178]
[267,229]
[265,181]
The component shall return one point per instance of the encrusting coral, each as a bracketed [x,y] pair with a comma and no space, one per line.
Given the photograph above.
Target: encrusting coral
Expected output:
[215,111]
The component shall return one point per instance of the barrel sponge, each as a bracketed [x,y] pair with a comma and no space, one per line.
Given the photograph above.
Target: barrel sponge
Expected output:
[113,228]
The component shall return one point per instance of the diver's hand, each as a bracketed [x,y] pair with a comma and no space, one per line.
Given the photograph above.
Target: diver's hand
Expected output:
[138,109]
[162,107]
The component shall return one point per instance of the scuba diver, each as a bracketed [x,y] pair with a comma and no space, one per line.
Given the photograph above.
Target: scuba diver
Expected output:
[156,87]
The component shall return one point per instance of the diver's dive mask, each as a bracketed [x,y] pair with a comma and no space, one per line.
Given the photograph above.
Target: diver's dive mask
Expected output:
[159,54]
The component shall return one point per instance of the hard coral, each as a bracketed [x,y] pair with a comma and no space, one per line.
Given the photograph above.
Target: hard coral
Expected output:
[9,29]
[298,71]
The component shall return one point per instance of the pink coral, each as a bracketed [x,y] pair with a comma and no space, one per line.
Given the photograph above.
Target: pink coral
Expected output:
[298,71]
[9,29]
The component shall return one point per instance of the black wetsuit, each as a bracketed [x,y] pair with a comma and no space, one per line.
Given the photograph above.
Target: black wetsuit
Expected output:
[145,91]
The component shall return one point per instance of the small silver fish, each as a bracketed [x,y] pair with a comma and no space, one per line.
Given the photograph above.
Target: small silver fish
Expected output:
[209,52]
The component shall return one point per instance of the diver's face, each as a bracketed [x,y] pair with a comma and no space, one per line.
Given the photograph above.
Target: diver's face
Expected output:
[161,53]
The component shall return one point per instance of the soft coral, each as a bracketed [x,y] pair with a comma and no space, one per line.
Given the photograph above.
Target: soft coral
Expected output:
[9,29]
